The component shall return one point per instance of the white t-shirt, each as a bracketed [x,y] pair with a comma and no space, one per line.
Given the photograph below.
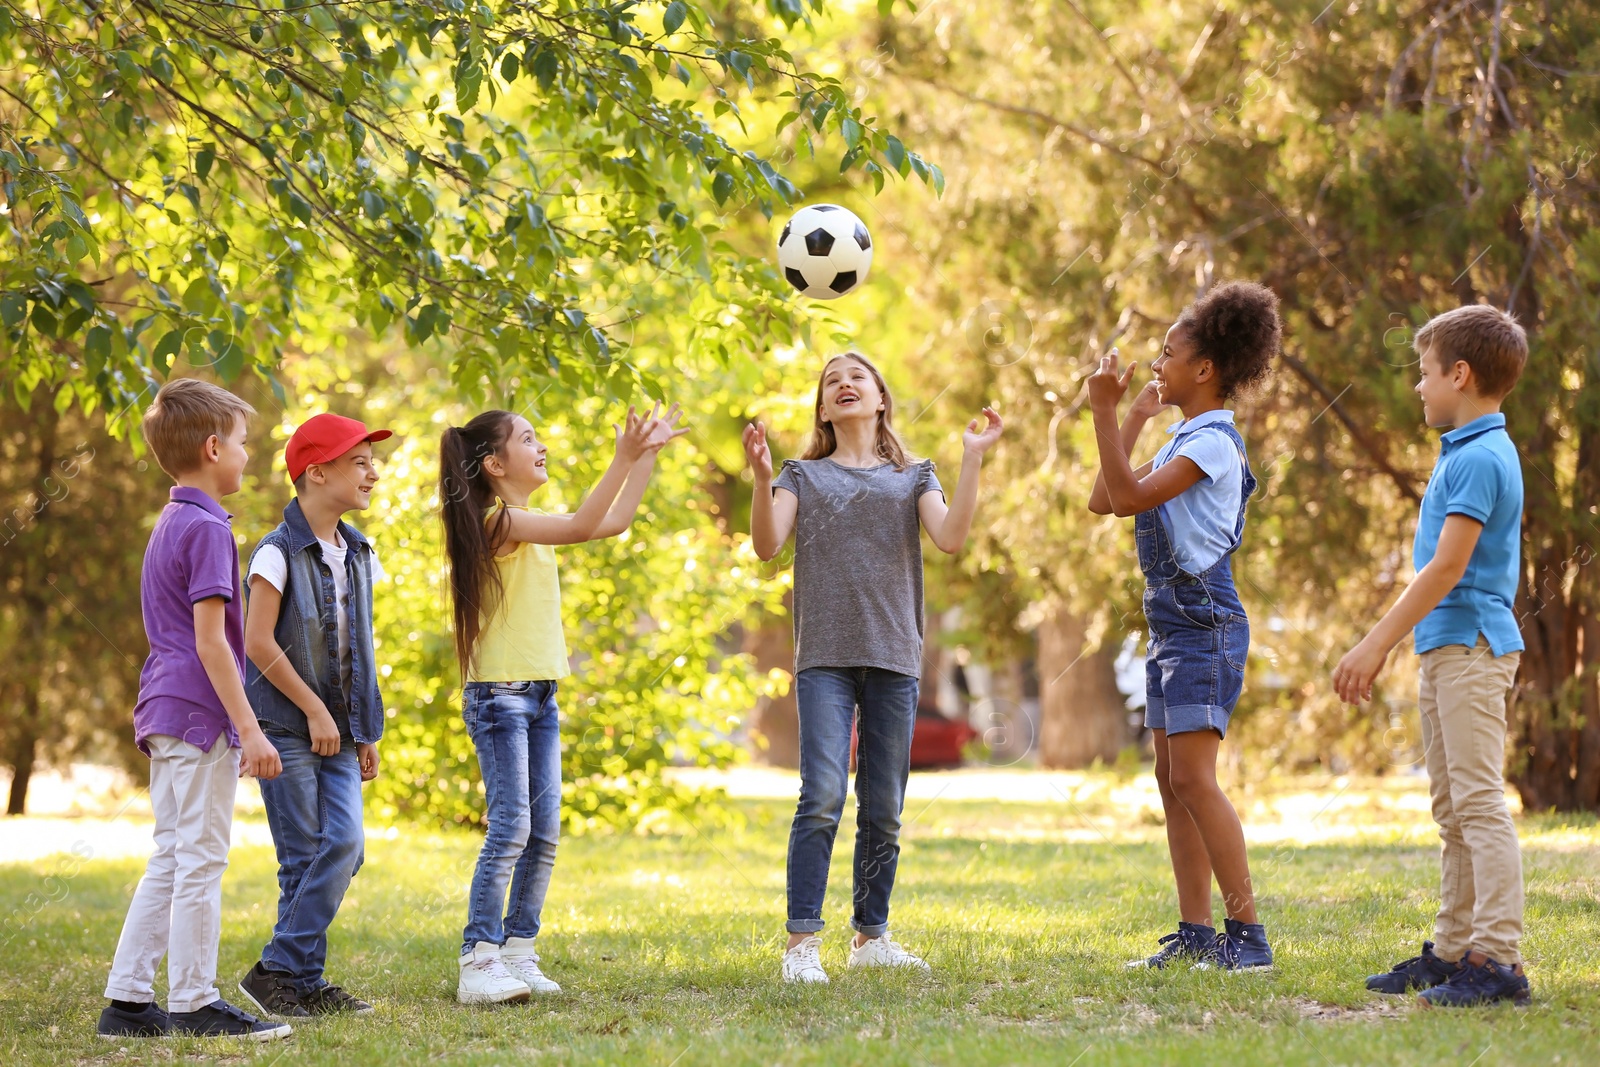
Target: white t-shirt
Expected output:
[271,565]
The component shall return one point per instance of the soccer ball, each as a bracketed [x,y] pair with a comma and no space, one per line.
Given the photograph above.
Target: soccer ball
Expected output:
[824,251]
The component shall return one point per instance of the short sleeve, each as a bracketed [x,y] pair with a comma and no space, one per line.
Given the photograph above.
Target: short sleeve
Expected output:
[788,478]
[1214,453]
[927,480]
[269,563]
[1475,486]
[213,562]
[378,573]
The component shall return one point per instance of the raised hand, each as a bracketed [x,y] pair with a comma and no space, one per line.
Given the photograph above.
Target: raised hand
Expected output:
[631,436]
[980,441]
[1147,403]
[661,429]
[1109,382]
[756,451]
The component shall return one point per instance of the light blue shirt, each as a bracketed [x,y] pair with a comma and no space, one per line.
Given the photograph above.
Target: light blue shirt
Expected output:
[1200,521]
[1478,475]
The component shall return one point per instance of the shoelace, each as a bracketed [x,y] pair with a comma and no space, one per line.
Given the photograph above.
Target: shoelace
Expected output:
[806,954]
[895,951]
[1227,952]
[494,967]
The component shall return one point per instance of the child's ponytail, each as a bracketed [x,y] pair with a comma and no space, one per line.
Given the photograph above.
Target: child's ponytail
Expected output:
[469,544]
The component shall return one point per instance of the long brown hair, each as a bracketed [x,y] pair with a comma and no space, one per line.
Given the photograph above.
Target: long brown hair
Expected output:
[886,444]
[469,544]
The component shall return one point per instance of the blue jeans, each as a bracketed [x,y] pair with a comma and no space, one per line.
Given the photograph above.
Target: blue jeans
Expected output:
[314,810]
[828,698]
[517,730]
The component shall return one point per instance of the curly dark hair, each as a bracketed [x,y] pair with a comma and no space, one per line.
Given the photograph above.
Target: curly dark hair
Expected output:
[1236,327]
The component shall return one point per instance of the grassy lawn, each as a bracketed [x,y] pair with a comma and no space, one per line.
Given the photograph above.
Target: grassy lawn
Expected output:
[667,948]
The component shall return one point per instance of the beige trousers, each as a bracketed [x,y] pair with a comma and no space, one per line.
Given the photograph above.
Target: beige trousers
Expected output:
[1463,693]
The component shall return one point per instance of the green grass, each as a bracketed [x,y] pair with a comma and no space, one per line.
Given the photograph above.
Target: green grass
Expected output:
[667,948]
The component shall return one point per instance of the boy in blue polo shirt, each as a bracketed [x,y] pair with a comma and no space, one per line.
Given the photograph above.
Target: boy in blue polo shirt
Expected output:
[1467,557]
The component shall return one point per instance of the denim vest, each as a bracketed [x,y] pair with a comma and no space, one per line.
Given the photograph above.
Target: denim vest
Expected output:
[308,632]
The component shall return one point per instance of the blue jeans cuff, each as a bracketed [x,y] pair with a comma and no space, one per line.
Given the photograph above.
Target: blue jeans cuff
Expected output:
[869,930]
[1192,718]
[804,926]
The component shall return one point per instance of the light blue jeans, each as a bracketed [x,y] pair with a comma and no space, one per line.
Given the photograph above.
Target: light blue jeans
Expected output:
[828,698]
[314,810]
[516,728]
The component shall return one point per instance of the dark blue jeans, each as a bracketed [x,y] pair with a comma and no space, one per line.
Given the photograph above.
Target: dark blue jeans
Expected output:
[517,730]
[314,810]
[828,698]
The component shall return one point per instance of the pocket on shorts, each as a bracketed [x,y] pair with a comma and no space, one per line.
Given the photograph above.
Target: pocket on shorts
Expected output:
[1235,640]
[1194,604]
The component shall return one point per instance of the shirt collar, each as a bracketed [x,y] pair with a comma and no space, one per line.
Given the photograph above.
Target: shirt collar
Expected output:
[1205,418]
[183,494]
[300,535]
[1495,420]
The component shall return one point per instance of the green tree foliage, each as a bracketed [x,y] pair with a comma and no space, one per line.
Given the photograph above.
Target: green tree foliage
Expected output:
[1375,166]
[410,212]
[220,182]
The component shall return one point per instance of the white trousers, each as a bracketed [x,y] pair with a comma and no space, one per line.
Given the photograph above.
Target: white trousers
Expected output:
[177,909]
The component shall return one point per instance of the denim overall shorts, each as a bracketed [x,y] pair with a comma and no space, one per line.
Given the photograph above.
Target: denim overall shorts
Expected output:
[1199,635]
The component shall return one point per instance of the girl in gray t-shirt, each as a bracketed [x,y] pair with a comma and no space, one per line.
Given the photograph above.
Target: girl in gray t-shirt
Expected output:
[856,504]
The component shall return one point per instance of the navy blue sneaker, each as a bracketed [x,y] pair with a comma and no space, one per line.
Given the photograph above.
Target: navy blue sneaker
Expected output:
[1419,972]
[115,1022]
[1470,985]
[221,1019]
[1191,942]
[1240,947]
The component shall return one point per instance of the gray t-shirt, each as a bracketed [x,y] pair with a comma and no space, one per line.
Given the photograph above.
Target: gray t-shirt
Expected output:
[857,563]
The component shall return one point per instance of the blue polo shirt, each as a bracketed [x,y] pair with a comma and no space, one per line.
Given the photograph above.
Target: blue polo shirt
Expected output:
[1478,475]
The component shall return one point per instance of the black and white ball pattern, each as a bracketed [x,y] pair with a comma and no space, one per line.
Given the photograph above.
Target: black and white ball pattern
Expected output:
[824,251]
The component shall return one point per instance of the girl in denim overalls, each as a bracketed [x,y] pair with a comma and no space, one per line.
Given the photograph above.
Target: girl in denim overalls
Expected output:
[1189,506]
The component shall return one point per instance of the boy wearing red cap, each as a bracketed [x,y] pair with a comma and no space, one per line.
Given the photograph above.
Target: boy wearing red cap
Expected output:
[312,680]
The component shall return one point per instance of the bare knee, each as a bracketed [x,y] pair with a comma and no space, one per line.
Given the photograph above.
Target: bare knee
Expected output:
[1190,784]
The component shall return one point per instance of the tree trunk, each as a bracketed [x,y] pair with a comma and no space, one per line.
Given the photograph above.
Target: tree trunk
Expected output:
[23,748]
[775,721]
[1082,714]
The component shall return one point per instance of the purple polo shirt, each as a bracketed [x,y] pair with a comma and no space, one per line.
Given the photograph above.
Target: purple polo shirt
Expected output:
[191,557]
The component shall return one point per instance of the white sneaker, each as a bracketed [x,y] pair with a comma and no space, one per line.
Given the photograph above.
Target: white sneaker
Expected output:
[520,959]
[802,964]
[882,952]
[485,979]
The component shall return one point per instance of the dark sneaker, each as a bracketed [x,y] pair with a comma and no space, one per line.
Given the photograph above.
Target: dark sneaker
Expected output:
[272,993]
[1419,972]
[332,1000]
[221,1019]
[1191,942]
[1484,984]
[1240,947]
[115,1022]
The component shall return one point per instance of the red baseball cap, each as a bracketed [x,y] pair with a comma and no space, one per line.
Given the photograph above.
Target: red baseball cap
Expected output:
[326,437]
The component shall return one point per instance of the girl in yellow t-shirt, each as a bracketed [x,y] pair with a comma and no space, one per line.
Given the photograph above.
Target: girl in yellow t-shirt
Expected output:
[507,603]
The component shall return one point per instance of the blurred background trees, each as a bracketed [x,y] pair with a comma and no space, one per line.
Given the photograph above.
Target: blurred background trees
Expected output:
[410,213]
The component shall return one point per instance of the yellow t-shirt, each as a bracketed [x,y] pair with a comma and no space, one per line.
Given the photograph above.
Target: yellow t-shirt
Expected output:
[524,641]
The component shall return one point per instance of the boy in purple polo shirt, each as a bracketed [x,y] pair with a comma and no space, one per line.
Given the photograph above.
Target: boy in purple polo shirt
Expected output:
[1467,554]
[194,722]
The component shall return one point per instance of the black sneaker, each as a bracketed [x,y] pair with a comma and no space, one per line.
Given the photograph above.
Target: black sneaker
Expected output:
[1191,942]
[272,993]
[115,1022]
[1484,984]
[1419,972]
[1240,947]
[221,1019]
[332,1000]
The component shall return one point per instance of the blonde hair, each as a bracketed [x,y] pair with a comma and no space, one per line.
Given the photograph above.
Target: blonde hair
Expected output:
[886,444]
[1484,338]
[188,412]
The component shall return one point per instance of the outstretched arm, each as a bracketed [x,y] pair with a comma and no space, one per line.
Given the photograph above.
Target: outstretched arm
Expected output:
[1353,677]
[771,513]
[1130,492]
[581,524]
[948,526]
[623,511]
